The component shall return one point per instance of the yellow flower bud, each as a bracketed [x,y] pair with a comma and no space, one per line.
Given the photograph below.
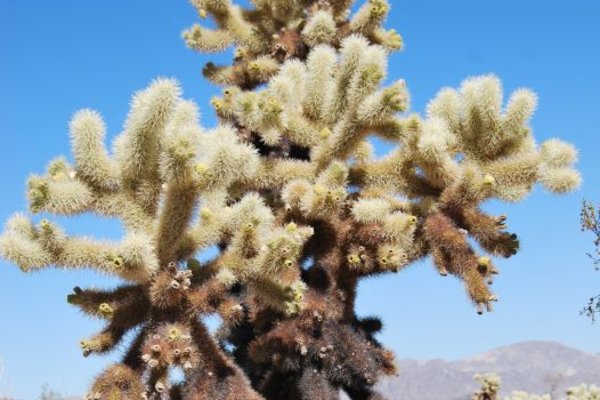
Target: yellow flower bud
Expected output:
[353,259]
[174,333]
[395,40]
[217,104]
[200,168]
[378,10]
[239,53]
[488,180]
[325,133]
[484,261]
[205,213]
[59,176]
[116,260]
[105,309]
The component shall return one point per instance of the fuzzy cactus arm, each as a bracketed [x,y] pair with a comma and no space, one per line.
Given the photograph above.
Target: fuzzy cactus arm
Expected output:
[320,28]
[119,380]
[137,148]
[112,335]
[369,17]
[277,172]
[506,150]
[180,148]
[92,162]
[213,294]
[207,40]
[229,17]
[225,159]
[131,259]
[62,192]
[104,303]
[175,215]
[320,67]
[246,74]
[458,257]
[124,206]
[490,232]
[58,194]
[350,52]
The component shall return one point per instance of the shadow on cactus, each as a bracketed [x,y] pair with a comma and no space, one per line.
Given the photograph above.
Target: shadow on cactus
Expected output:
[289,189]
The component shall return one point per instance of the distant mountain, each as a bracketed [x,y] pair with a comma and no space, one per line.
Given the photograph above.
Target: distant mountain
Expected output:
[535,367]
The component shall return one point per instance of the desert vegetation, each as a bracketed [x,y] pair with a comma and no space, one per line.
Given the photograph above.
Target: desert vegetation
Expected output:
[491,383]
[590,222]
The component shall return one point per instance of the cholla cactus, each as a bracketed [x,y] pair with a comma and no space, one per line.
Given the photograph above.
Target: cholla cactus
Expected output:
[584,392]
[490,388]
[521,395]
[581,392]
[288,188]
[490,385]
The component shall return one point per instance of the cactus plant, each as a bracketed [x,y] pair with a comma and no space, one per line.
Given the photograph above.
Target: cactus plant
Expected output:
[490,387]
[583,392]
[289,190]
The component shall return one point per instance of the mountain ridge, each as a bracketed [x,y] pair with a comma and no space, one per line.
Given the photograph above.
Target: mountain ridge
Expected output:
[534,366]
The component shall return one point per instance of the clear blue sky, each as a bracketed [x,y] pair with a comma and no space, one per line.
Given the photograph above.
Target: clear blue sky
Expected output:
[59,56]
